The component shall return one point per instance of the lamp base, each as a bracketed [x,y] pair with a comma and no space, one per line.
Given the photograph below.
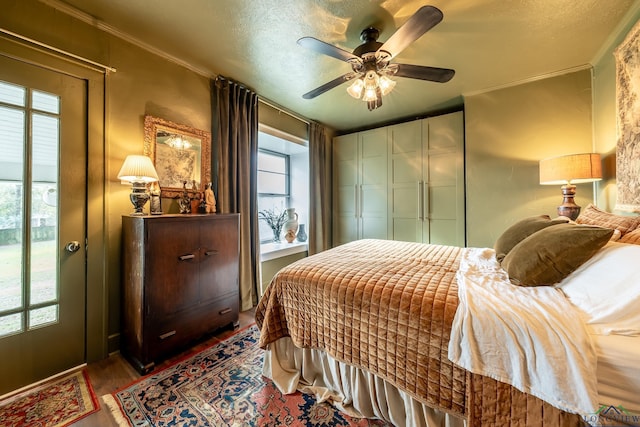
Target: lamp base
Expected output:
[568,207]
[139,197]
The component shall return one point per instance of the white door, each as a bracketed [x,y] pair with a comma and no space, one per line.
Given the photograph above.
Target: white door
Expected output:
[360,188]
[443,141]
[42,222]
[372,194]
[406,182]
[345,160]
[426,180]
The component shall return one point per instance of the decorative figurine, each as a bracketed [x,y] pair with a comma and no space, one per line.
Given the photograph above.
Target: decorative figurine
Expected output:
[209,199]
[195,203]
[202,207]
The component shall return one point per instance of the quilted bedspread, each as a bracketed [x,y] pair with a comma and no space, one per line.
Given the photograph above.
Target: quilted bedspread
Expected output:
[387,307]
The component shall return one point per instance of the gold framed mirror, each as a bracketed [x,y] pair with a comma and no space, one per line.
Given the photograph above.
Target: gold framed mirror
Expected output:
[180,153]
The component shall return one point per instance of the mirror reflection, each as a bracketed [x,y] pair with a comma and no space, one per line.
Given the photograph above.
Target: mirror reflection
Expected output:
[181,154]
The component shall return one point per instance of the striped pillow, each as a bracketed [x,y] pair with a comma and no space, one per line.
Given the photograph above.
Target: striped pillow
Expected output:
[591,215]
[631,237]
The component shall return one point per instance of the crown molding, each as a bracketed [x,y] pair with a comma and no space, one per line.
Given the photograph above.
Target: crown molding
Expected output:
[529,80]
[101,25]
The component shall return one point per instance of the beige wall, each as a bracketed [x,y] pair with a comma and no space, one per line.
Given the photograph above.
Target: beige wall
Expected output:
[604,113]
[507,132]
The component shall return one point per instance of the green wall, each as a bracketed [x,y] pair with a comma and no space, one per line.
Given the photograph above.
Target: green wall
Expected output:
[507,131]
[143,83]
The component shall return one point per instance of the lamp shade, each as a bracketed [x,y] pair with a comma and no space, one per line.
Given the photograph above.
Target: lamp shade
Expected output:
[571,169]
[138,168]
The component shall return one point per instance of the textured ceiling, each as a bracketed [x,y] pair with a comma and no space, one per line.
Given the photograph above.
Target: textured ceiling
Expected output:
[490,44]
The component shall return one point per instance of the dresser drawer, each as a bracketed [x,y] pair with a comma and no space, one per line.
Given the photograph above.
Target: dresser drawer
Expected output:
[173,333]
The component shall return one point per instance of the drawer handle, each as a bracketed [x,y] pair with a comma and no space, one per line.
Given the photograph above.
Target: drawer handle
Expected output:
[212,252]
[186,257]
[167,335]
[225,311]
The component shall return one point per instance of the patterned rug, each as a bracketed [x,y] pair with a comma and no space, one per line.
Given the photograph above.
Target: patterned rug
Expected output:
[221,386]
[56,404]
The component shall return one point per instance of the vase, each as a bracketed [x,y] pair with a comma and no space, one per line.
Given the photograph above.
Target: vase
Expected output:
[302,235]
[276,235]
[291,225]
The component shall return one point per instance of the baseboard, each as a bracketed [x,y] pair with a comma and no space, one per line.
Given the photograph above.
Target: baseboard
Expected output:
[113,343]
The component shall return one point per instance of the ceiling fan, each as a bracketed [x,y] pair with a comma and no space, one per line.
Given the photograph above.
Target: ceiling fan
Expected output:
[371,61]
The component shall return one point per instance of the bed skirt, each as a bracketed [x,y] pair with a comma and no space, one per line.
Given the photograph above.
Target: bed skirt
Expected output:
[353,390]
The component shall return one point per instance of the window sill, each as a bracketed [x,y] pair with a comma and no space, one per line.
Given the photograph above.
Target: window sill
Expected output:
[269,251]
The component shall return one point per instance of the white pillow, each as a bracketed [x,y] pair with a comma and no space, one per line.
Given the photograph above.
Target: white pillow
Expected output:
[607,289]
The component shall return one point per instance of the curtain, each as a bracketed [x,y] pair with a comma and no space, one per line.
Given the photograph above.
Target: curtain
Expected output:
[235,129]
[320,182]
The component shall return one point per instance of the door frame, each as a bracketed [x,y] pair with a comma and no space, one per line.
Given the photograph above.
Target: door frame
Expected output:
[96,315]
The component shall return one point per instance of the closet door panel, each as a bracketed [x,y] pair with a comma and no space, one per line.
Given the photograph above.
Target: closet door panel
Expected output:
[444,157]
[405,181]
[443,204]
[444,232]
[446,132]
[346,188]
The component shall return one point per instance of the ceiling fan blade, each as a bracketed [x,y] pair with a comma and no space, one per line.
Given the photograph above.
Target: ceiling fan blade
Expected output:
[329,85]
[422,21]
[327,49]
[440,75]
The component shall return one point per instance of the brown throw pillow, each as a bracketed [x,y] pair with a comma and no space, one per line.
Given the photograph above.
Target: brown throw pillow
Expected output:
[592,215]
[551,254]
[631,237]
[521,230]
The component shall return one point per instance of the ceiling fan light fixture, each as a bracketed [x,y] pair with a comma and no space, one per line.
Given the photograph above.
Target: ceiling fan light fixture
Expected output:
[371,61]
[386,85]
[370,94]
[355,89]
[372,104]
[371,80]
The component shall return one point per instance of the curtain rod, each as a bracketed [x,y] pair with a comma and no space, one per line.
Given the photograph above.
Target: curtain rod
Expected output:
[264,101]
[55,49]
[272,105]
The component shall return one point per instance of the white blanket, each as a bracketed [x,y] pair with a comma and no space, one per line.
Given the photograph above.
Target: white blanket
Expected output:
[531,338]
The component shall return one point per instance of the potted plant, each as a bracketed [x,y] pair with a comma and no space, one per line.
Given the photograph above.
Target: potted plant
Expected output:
[275,219]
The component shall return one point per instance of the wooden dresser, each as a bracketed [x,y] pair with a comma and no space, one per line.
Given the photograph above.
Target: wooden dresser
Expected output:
[180,275]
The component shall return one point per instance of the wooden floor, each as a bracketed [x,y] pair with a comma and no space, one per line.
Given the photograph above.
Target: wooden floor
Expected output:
[115,372]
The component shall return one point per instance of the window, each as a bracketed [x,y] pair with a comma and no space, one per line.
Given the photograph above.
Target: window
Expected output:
[29,123]
[273,186]
[283,178]
[273,177]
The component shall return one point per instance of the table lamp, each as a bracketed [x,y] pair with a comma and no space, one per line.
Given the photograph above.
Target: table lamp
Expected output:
[567,171]
[139,171]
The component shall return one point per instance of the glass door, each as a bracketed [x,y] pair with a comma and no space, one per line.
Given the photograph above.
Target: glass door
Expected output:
[42,223]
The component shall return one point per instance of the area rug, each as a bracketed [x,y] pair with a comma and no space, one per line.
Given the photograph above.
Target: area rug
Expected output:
[221,386]
[59,403]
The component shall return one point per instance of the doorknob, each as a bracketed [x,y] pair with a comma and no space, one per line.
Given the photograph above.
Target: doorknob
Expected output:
[72,246]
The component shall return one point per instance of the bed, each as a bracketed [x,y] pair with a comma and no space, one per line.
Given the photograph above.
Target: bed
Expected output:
[369,326]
